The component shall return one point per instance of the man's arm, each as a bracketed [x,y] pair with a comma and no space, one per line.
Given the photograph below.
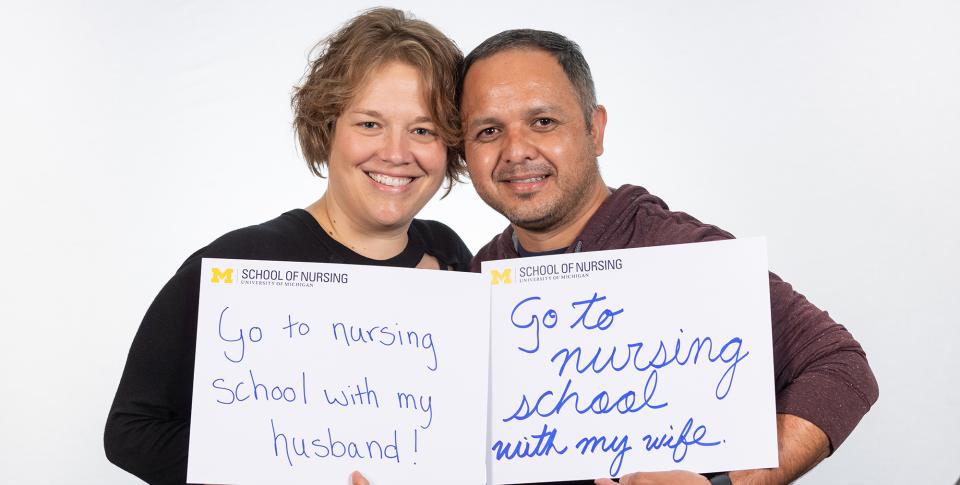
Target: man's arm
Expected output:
[821,373]
[824,386]
[801,445]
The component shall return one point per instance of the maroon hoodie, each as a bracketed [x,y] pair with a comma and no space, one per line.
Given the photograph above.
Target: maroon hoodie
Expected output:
[821,372]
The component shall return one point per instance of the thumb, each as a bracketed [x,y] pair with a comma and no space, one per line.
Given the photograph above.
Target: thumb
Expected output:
[356,478]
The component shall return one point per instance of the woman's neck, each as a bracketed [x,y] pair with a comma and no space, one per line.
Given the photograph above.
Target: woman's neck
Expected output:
[380,243]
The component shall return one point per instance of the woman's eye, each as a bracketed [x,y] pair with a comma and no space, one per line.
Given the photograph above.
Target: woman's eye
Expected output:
[422,131]
[368,124]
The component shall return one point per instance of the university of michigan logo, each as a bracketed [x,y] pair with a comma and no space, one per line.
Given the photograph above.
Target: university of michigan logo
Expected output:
[225,276]
[497,277]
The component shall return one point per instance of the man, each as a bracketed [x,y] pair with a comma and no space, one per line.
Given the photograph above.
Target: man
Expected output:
[532,134]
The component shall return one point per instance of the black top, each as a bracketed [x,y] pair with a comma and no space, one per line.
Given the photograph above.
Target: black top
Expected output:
[147,431]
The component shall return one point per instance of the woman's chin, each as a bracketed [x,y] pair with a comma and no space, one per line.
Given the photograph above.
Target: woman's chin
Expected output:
[390,221]
[392,214]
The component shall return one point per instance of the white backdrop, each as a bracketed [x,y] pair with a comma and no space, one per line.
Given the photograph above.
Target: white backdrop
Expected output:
[133,133]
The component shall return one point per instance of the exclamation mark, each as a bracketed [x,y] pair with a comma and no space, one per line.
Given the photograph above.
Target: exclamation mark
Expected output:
[414,442]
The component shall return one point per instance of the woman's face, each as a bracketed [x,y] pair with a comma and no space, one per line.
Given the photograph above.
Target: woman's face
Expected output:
[386,160]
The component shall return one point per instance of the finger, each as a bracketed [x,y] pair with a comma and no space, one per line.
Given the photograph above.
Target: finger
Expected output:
[356,478]
[604,481]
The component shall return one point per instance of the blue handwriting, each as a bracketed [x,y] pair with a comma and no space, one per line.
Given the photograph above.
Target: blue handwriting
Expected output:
[254,334]
[542,446]
[728,353]
[550,318]
[614,444]
[681,442]
[331,448]
[387,337]
[602,403]
[261,391]
[417,403]
[364,396]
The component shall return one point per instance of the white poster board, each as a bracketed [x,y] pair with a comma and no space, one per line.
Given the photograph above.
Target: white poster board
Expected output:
[305,372]
[609,362]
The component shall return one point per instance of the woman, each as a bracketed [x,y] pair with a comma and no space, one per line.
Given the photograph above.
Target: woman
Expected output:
[377,111]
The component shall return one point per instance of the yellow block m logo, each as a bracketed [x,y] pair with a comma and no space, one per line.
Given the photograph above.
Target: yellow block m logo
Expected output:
[497,277]
[225,276]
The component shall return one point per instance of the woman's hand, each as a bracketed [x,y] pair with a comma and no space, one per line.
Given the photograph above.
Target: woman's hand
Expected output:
[357,479]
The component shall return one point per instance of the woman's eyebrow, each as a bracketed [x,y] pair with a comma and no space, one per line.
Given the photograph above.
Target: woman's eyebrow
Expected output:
[369,112]
[376,114]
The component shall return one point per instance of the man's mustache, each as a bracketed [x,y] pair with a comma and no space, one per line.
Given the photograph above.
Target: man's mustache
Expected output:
[523,170]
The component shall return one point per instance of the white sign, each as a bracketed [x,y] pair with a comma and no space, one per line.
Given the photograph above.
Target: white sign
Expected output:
[610,362]
[306,372]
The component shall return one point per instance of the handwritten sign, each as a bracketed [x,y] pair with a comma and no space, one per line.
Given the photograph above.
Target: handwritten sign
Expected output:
[605,363]
[305,372]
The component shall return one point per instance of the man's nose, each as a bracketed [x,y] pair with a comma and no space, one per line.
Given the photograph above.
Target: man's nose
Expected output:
[518,148]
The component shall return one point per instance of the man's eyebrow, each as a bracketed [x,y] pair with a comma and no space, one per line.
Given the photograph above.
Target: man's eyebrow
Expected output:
[531,113]
[542,109]
[489,120]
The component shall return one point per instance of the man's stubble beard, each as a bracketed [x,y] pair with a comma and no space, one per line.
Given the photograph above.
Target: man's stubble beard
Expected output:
[551,213]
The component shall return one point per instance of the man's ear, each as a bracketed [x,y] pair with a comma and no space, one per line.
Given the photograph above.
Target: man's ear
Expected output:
[599,122]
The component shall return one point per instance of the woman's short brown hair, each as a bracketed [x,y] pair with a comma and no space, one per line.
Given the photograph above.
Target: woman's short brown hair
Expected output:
[344,60]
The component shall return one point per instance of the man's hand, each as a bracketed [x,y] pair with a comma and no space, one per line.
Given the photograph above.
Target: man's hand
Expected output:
[676,477]
[357,479]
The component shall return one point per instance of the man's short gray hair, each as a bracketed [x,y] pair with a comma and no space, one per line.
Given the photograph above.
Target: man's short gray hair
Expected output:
[564,50]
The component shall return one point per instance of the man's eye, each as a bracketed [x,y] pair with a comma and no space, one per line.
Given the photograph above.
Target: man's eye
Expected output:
[543,122]
[487,132]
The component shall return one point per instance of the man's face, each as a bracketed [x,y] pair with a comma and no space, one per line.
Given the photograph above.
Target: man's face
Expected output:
[527,146]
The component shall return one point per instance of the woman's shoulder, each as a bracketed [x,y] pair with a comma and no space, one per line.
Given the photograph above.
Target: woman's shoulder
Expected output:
[443,243]
[286,237]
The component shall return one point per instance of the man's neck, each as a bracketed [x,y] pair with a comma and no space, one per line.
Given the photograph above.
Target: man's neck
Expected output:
[565,232]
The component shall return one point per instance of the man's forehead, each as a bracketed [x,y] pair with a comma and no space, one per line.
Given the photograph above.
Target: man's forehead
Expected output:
[512,64]
[497,79]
